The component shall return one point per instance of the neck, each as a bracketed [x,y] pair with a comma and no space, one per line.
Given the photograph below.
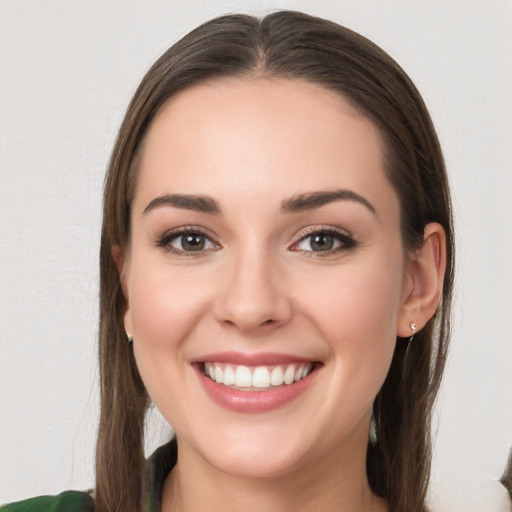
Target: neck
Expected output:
[333,482]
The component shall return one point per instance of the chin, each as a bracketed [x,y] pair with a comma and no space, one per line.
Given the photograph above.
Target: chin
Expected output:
[258,451]
[254,464]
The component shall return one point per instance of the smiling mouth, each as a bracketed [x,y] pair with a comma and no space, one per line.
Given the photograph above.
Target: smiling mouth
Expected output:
[257,378]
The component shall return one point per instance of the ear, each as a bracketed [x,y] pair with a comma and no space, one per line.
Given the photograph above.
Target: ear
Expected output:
[423,285]
[121,261]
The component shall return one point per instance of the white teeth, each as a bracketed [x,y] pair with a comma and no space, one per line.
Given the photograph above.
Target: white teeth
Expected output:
[277,376]
[260,377]
[218,375]
[289,374]
[229,376]
[243,377]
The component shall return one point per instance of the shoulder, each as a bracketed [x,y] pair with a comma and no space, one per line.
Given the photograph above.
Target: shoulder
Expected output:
[69,501]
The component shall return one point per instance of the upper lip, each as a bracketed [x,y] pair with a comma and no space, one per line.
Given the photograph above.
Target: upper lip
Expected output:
[245,359]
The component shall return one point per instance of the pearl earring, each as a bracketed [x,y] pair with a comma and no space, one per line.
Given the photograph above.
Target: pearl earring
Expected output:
[413,328]
[412,325]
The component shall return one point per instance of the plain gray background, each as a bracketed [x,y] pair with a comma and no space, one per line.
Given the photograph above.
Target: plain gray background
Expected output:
[68,70]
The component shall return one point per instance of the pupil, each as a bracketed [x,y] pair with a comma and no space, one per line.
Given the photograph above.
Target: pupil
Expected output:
[322,243]
[193,242]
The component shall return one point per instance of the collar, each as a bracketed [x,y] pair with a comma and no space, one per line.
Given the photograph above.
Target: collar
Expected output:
[158,466]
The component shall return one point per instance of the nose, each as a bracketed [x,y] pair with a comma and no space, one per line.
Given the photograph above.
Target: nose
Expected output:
[254,294]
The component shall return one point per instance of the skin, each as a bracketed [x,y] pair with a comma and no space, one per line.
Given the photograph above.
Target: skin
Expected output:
[259,286]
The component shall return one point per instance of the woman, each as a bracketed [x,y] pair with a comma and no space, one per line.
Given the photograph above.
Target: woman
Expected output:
[276,276]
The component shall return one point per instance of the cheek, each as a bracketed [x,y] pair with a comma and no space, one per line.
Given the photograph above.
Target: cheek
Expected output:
[165,303]
[363,300]
[356,311]
[164,307]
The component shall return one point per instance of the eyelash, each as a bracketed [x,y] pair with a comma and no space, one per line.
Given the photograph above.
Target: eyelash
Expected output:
[165,241]
[345,240]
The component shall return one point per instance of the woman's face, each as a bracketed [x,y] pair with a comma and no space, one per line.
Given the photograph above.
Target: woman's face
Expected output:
[266,252]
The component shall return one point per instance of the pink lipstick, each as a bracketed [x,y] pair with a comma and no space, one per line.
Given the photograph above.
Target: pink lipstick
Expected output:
[254,383]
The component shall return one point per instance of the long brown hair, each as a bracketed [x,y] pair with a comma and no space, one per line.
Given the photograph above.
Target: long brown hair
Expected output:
[296,46]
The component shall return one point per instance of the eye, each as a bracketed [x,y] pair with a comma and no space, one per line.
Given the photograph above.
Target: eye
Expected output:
[185,242]
[327,241]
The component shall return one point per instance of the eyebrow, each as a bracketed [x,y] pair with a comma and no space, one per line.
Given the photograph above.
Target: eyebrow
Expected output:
[313,200]
[297,203]
[202,204]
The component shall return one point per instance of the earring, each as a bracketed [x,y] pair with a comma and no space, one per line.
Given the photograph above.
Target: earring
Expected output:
[413,329]
[129,338]
[373,430]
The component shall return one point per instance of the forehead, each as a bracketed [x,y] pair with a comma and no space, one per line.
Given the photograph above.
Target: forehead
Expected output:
[260,136]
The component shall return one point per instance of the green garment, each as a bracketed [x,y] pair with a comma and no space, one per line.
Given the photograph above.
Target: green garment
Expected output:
[67,501]
[155,472]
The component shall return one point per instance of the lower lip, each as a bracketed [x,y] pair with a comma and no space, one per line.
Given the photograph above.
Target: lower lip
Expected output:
[254,401]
